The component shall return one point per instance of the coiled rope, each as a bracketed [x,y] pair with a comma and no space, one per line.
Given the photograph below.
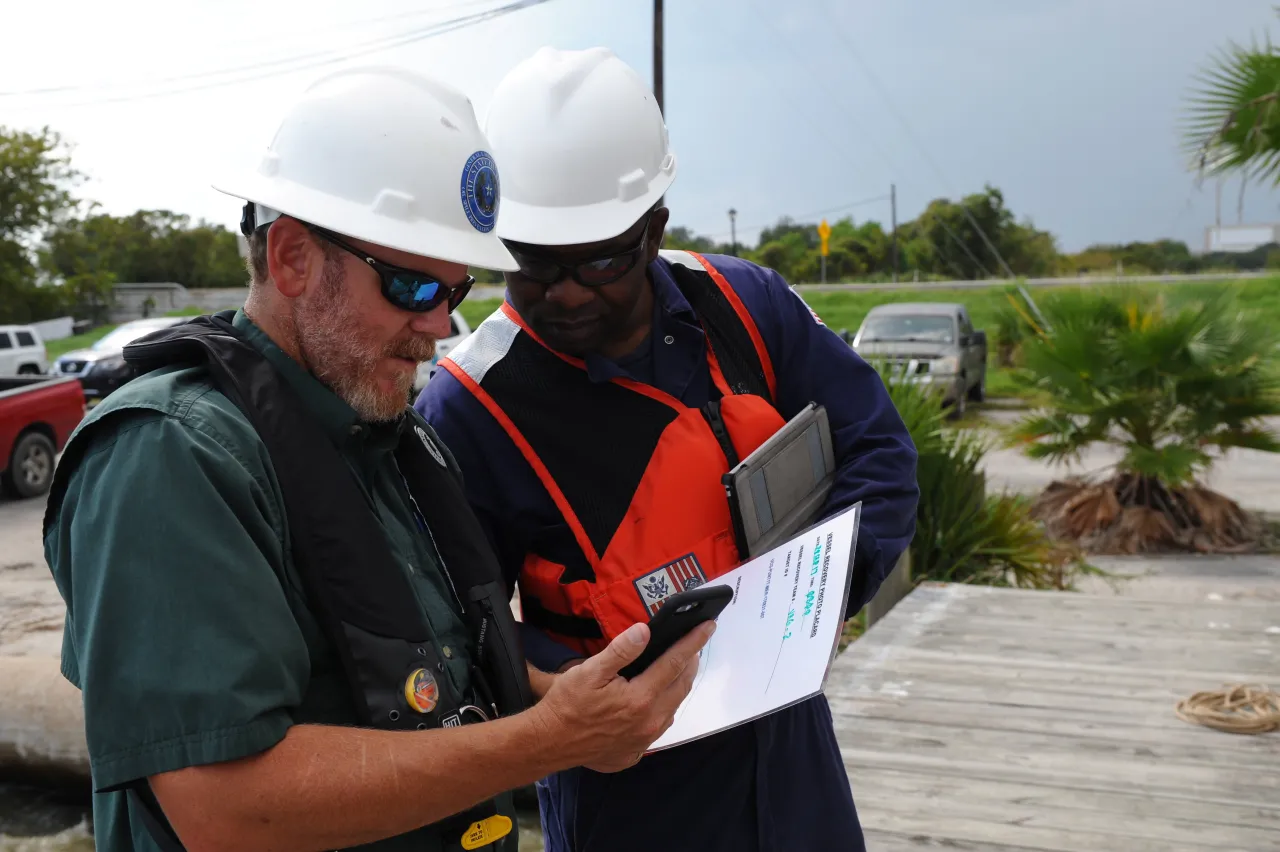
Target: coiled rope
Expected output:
[1238,709]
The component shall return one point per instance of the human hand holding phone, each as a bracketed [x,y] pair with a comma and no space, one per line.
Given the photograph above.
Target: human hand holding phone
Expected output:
[681,613]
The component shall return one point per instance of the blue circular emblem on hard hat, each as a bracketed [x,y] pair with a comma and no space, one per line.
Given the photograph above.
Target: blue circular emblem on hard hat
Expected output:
[480,191]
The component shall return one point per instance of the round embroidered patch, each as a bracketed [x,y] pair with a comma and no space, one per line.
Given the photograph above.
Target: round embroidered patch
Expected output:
[480,191]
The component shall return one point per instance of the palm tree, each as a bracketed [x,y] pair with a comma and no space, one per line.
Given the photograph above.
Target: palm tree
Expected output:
[1171,388]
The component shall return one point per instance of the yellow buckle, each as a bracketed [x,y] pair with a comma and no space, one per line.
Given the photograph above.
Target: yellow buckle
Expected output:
[486,831]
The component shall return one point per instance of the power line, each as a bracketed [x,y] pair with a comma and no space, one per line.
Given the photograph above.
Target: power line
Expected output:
[375,46]
[960,242]
[177,78]
[802,216]
[780,38]
[875,81]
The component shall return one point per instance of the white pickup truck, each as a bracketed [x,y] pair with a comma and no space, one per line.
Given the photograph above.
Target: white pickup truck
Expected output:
[22,351]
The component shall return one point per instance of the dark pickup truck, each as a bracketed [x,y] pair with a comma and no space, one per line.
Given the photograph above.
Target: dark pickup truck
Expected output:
[37,415]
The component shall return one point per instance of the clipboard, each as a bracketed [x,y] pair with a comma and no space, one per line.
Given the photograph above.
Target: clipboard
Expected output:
[777,490]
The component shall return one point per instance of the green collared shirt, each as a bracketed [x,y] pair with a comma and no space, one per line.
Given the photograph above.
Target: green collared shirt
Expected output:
[187,628]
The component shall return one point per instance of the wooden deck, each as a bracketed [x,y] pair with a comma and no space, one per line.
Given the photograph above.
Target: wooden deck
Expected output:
[974,718]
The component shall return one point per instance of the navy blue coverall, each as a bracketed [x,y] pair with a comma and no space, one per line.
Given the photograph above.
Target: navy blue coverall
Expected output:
[777,784]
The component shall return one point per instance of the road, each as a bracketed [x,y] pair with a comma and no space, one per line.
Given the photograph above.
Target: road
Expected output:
[1081,281]
[30,608]
[20,544]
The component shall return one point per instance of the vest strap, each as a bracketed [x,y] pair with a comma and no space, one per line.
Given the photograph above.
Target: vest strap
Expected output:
[574,626]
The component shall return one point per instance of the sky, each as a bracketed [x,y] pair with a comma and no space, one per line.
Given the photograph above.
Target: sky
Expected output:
[1073,108]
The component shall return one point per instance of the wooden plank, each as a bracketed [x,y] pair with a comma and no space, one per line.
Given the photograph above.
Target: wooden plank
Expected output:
[992,666]
[1163,824]
[1251,638]
[917,786]
[1081,776]
[1079,838]
[1080,723]
[1117,828]
[1141,761]
[1220,654]
[885,841]
[1025,605]
[1006,697]
[1008,822]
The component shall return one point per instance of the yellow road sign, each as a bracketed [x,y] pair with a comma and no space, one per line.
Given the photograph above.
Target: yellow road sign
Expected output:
[824,233]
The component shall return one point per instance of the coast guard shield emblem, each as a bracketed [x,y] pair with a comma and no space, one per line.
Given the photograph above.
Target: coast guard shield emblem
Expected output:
[661,583]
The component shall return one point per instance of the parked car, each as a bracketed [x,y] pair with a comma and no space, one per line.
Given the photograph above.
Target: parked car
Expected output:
[21,351]
[37,415]
[101,368]
[933,343]
[458,331]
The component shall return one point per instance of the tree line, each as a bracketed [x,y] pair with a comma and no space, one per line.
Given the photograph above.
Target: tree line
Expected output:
[975,238]
[61,255]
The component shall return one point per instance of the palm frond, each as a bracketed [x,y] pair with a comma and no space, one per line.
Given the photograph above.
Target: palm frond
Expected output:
[1233,114]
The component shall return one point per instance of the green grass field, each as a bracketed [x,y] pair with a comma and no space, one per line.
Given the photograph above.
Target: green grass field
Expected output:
[846,309]
[54,348]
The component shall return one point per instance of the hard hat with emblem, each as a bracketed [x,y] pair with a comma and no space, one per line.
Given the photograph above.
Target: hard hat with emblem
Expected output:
[582,144]
[385,155]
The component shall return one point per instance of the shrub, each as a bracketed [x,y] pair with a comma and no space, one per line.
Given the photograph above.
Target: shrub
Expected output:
[963,534]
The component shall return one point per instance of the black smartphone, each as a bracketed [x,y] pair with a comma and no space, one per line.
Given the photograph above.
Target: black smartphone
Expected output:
[681,613]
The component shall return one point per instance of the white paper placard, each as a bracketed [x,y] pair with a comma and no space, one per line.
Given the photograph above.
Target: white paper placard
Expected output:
[774,643]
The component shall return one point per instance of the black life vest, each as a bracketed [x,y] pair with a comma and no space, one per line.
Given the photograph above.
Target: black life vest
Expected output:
[361,596]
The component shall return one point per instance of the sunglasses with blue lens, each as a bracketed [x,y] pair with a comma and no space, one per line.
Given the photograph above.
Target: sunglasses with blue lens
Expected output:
[407,289]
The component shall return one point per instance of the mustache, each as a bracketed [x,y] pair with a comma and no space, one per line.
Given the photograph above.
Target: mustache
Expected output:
[415,349]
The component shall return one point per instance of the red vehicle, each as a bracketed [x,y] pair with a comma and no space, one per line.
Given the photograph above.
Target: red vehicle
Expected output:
[37,415]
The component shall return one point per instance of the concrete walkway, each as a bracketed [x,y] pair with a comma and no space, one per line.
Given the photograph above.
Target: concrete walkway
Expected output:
[1249,477]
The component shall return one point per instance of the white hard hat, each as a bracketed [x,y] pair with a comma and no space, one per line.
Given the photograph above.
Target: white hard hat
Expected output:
[583,147]
[388,156]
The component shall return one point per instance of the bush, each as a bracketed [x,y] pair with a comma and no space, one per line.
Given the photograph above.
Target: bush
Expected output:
[963,534]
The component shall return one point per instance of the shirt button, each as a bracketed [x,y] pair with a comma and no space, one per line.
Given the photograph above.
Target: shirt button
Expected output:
[448,652]
[355,430]
[668,339]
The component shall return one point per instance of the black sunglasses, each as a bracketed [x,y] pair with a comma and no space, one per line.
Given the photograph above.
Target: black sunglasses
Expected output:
[593,272]
[407,289]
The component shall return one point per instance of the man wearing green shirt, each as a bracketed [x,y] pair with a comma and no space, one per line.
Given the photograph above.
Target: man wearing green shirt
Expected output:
[219,714]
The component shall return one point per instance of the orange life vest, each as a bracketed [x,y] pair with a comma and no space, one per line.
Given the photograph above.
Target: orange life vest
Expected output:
[636,473]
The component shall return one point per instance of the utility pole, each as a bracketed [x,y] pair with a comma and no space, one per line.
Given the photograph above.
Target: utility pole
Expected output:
[733,231]
[657,53]
[657,66]
[893,217]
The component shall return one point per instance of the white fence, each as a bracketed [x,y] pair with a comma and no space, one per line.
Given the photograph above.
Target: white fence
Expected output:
[55,329]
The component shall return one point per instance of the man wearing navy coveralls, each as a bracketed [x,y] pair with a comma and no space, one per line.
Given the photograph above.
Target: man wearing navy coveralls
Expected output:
[593,416]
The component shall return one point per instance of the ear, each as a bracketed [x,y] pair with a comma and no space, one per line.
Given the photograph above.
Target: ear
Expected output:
[293,257]
[657,230]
